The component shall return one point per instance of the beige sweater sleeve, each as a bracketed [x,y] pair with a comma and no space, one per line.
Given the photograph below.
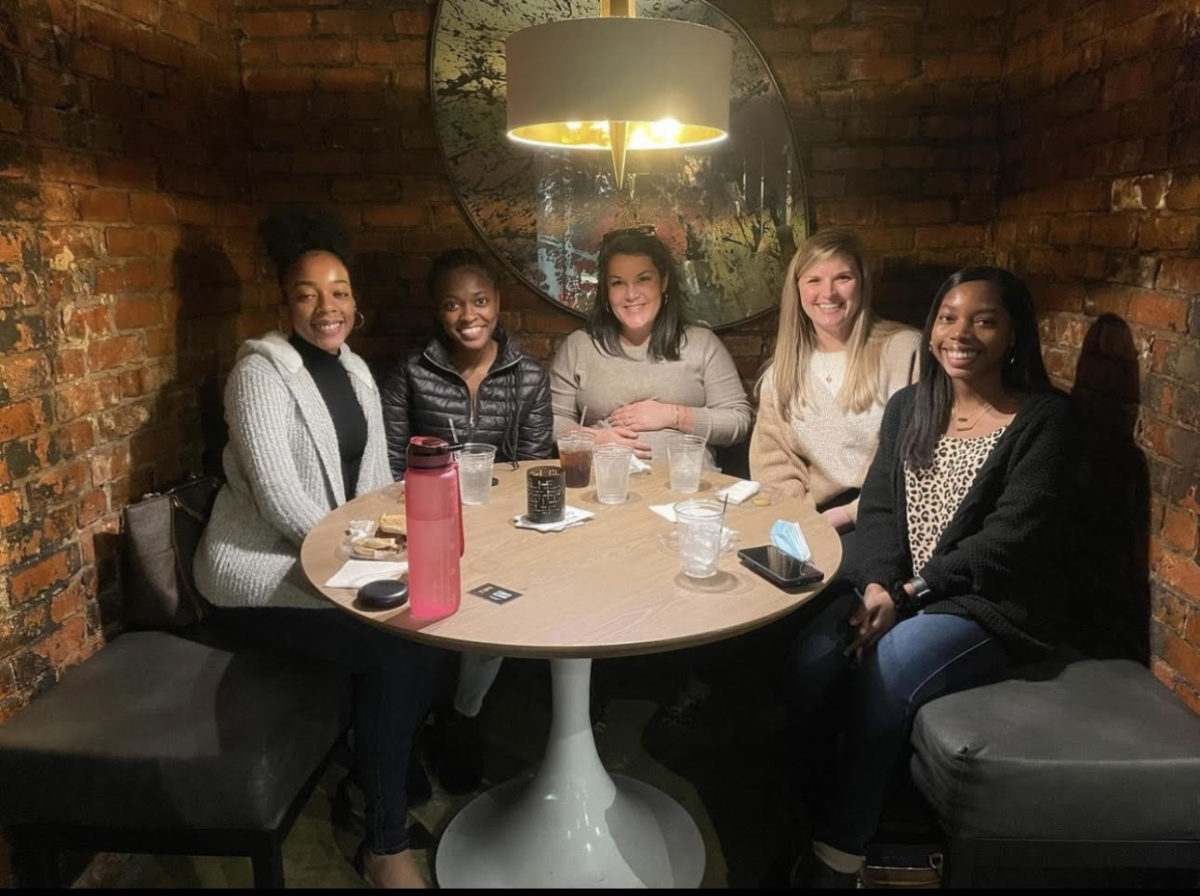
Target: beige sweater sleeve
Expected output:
[775,456]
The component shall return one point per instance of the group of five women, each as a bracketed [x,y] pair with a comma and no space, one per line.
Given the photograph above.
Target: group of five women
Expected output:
[937,455]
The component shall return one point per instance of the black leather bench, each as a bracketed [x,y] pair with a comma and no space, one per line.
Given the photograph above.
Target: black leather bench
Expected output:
[1071,763]
[178,738]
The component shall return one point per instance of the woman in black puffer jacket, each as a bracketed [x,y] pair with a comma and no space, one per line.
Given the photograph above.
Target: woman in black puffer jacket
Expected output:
[472,373]
[471,383]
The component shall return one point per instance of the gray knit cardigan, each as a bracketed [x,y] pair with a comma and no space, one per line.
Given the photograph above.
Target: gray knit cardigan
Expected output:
[283,473]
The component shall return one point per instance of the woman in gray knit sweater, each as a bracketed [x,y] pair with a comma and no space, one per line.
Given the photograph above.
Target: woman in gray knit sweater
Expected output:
[305,435]
[638,373]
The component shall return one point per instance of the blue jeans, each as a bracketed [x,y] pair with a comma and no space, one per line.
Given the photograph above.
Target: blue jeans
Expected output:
[872,704]
[393,682]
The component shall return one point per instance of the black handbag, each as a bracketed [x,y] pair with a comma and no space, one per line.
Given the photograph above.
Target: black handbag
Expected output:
[159,537]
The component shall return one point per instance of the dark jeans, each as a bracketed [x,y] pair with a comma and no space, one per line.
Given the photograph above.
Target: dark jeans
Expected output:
[871,704]
[392,685]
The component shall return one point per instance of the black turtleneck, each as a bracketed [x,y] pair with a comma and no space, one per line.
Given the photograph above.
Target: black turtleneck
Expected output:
[349,422]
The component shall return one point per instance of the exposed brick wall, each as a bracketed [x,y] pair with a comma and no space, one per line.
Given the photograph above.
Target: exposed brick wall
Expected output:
[123,237]
[140,142]
[1099,207]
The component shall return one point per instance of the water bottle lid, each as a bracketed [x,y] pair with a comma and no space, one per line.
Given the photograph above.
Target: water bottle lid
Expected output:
[428,452]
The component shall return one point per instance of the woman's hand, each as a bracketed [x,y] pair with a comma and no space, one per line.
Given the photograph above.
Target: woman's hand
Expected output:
[645,415]
[622,435]
[872,620]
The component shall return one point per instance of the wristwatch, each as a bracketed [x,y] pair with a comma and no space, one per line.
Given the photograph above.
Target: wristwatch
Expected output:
[908,604]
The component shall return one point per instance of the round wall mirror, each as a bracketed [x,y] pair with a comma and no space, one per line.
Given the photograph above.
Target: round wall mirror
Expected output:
[731,214]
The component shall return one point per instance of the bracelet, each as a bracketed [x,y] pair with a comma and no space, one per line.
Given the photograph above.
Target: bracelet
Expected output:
[678,416]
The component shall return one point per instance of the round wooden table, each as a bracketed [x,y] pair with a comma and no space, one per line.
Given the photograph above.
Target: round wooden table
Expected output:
[612,586]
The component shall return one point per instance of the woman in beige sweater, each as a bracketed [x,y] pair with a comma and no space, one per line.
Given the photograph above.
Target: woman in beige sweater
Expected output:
[835,366]
[637,373]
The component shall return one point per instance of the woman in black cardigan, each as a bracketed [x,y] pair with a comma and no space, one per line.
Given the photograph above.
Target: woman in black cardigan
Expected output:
[956,576]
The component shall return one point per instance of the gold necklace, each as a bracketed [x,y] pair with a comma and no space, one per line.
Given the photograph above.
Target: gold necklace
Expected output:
[960,420]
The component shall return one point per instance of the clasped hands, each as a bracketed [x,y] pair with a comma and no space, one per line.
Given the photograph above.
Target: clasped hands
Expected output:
[626,421]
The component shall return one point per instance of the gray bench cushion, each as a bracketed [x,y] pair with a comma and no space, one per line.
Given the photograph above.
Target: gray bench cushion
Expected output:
[159,731]
[1095,750]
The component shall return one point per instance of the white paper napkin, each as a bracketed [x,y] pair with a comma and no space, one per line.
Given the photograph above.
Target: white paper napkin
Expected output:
[667,512]
[637,465]
[572,516]
[356,573]
[739,491]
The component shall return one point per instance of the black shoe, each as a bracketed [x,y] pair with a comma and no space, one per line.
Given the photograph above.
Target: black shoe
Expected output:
[460,754]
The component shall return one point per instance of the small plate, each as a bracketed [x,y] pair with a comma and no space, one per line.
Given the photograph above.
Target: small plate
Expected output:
[348,549]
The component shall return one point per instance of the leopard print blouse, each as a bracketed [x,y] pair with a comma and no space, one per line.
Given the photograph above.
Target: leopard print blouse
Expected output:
[934,494]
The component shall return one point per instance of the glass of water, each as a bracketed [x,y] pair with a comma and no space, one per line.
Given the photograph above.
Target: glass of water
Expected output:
[699,524]
[475,472]
[611,463]
[685,458]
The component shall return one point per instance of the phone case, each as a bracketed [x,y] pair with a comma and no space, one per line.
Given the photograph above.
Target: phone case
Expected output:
[751,563]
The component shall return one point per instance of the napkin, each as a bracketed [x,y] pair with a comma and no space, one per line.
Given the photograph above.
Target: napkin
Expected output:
[572,516]
[637,465]
[739,491]
[356,573]
[789,538]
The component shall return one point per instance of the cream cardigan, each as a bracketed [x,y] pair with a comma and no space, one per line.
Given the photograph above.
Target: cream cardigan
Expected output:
[823,454]
[283,474]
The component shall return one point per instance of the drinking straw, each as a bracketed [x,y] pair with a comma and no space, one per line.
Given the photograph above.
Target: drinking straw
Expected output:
[583,415]
[453,434]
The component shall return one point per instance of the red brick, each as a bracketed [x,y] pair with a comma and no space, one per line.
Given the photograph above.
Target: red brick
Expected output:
[1181,530]
[1114,230]
[39,577]
[882,68]
[857,40]
[963,236]
[129,240]
[1180,275]
[75,438]
[351,79]
[66,645]
[115,352]
[978,65]
[1183,194]
[22,418]
[1160,311]
[326,51]
[80,323]
[180,25]
[23,375]
[10,508]
[276,24]
[1178,232]
[133,174]
[395,215]
[104,205]
[279,80]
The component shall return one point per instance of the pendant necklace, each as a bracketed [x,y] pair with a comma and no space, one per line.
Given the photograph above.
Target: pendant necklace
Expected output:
[961,423]
[823,370]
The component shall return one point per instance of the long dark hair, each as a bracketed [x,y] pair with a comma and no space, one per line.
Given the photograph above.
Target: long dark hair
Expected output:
[291,231]
[667,331]
[1023,372]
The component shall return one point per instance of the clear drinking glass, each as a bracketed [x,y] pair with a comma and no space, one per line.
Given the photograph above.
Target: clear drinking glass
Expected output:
[699,524]
[685,457]
[611,463]
[475,461]
[575,457]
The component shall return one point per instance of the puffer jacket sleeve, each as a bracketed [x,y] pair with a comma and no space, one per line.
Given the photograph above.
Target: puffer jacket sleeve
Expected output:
[395,395]
[535,439]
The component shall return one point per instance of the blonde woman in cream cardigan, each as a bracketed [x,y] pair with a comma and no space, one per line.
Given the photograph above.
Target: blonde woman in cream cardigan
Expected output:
[835,365]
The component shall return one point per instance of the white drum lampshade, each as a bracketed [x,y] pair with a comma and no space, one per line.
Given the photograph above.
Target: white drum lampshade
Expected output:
[617,83]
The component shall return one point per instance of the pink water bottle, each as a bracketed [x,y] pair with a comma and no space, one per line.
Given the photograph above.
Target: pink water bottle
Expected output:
[435,535]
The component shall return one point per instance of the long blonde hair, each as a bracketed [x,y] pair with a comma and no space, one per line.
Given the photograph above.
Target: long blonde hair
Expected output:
[796,338]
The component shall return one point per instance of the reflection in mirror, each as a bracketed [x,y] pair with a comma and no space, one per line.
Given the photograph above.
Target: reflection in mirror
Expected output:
[732,214]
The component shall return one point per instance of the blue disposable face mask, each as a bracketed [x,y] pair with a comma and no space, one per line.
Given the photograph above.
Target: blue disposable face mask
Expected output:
[789,538]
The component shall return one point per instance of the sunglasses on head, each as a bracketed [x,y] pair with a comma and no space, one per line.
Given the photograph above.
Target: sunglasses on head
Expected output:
[639,230]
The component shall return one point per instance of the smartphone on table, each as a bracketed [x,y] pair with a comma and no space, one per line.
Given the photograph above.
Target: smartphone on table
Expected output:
[779,567]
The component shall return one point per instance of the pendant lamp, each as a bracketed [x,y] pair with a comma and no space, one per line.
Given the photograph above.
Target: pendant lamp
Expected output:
[618,82]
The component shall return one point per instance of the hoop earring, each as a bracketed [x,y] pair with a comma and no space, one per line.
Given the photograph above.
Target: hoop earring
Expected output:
[360,321]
